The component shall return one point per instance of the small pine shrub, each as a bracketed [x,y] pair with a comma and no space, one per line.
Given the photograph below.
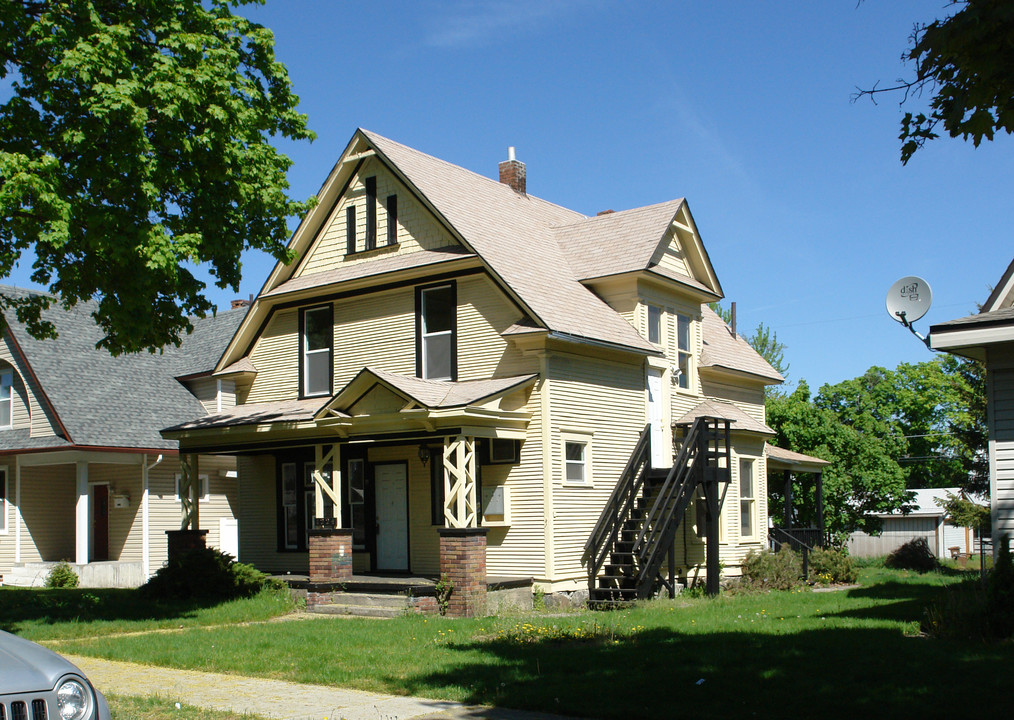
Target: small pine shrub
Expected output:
[62,576]
[913,555]
[782,570]
[833,566]
[205,575]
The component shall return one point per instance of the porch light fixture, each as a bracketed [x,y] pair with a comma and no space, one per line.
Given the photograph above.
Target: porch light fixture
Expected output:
[424,454]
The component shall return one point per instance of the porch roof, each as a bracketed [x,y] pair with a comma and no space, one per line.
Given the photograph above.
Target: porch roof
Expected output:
[280,411]
[782,459]
[727,411]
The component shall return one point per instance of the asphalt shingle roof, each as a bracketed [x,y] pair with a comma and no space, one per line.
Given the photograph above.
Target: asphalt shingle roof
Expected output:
[514,233]
[723,349]
[726,410]
[124,401]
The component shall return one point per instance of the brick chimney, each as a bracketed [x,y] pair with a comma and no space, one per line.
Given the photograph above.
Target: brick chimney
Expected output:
[512,172]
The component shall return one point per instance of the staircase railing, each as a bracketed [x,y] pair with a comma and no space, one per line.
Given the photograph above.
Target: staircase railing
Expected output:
[796,538]
[619,507]
[665,512]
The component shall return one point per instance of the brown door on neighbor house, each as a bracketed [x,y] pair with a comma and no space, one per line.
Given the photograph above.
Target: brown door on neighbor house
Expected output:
[100,522]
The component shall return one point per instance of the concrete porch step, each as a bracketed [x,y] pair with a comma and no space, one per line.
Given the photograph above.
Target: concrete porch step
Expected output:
[365,605]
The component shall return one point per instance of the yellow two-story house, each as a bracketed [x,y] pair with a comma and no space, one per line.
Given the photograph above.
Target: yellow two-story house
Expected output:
[454,374]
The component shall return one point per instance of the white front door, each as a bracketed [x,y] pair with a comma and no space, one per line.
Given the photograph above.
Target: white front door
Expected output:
[660,450]
[392,516]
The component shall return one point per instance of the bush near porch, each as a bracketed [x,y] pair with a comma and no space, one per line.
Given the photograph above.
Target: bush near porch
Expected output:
[775,654]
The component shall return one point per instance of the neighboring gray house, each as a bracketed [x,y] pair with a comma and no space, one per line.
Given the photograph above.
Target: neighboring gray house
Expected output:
[85,475]
[926,520]
[989,336]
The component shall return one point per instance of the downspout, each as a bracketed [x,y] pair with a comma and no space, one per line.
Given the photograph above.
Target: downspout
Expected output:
[145,540]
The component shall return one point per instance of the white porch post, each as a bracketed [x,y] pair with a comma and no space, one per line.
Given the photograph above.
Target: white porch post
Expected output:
[81,515]
[17,510]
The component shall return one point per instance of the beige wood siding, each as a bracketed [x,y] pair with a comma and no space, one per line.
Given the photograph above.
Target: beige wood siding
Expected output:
[215,395]
[258,517]
[275,354]
[26,407]
[48,497]
[417,228]
[674,258]
[606,400]
[423,540]
[748,399]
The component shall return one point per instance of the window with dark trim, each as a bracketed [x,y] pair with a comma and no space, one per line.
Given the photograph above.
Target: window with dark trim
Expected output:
[392,219]
[316,337]
[289,506]
[357,501]
[436,332]
[350,229]
[436,487]
[371,212]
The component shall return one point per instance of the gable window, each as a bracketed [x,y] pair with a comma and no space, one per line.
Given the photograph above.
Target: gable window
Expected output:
[4,506]
[316,331]
[350,229]
[392,219]
[436,332]
[655,324]
[6,398]
[747,500]
[683,350]
[371,212]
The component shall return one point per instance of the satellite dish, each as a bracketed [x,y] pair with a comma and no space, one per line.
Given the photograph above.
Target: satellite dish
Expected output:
[909,299]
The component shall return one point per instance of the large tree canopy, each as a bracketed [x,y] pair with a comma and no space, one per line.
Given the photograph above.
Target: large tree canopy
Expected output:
[134,148]
[885,432]
[966,63]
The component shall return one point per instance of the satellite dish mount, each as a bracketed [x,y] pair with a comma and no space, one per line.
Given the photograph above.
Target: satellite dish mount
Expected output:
[908,300]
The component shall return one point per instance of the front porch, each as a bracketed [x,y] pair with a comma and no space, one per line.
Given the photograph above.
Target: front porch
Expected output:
[382,595]
[802,523]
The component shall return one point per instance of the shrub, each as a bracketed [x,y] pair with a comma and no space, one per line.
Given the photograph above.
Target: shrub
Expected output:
[1000,593]
[913,555]
[959,613]
[780,570]
[833,566]
[62,576]
[205,575]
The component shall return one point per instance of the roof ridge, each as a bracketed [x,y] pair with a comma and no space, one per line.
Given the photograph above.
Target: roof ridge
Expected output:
[619,214]
[372,135]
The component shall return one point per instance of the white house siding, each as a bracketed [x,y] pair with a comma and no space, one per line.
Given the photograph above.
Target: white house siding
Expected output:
[27,410]
[1000,400]
[607,400]
[748,399]
[897,532]
[417,229]
[215,394]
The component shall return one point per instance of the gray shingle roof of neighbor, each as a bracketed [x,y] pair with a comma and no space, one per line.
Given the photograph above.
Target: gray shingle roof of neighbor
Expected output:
[723,349]
[20,439]
[726,410]
[107,401]
[993,317]
[514,234]
[279,411]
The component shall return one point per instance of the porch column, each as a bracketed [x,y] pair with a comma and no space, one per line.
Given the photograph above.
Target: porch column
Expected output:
[462,541]
[327,482]
[820,506]
[81,515]
[787,507]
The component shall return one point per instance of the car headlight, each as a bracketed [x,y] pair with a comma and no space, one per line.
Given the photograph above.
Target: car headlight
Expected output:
[72,700]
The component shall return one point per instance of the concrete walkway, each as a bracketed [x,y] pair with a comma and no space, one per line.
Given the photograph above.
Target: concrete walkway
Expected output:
[277,699]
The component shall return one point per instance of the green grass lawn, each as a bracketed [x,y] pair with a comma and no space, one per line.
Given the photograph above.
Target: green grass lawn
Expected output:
[45,614]
[848,653]
[132,708]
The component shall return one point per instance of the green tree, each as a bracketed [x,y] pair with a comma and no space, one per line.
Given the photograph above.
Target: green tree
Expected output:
[863,479]
[964,62]
[135,149]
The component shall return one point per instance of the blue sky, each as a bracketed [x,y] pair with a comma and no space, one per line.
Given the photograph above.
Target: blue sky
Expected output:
[741,107]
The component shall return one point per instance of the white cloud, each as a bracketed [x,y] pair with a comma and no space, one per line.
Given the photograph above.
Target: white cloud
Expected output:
[469,23]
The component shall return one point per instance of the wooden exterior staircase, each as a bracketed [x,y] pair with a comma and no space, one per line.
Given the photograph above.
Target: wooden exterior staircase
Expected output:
[636,531]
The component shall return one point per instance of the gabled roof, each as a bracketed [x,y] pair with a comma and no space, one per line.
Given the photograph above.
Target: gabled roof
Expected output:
[726,410]
[632,240]
[725,350]
[106,401]
[432,394]
[1003,294]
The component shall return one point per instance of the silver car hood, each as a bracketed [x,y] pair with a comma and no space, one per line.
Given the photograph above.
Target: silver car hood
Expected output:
[27,667]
